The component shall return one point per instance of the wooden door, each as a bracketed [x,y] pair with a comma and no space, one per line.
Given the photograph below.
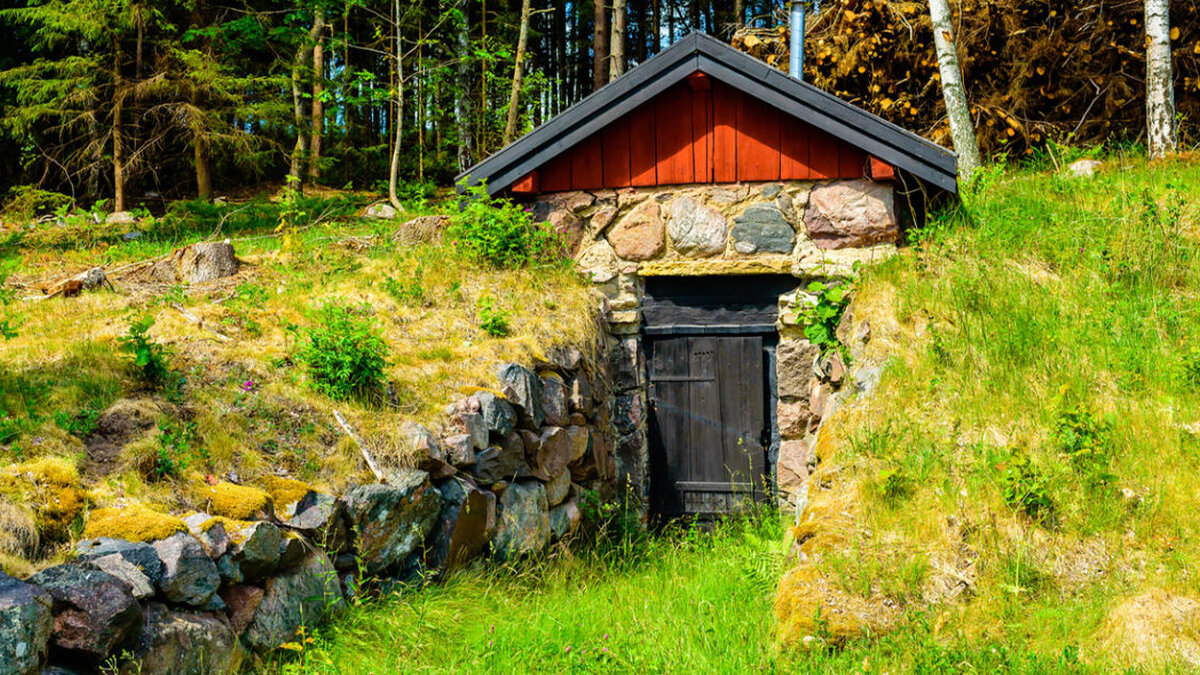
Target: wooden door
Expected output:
[708,423]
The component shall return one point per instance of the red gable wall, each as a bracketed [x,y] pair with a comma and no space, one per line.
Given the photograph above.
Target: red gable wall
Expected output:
[702,131]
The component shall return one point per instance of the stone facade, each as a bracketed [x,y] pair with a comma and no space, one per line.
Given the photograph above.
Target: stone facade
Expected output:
[809,230]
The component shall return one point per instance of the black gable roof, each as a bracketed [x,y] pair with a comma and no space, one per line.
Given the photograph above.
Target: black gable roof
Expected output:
[698,52]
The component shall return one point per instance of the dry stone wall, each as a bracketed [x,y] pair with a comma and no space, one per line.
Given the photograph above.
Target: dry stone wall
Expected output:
[809,230]
[505,480]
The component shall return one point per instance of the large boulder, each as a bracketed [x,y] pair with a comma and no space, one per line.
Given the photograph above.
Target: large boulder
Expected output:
[25,625]
[466,526]
[558,487]
[762,228]
[255,548]
[305,596]
[241,604]
[498,414]
[524,523]
[502,462]
[696,230]
[95,614]
[852,214]
[183,642]
[641,235]
[393,520]
[554,399]
[523,389]
[564,520]
[139,554]
[190,576]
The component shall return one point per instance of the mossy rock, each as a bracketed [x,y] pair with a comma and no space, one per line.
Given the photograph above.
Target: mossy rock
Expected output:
[238,502]
[285,492]
[50,488]
[132,523]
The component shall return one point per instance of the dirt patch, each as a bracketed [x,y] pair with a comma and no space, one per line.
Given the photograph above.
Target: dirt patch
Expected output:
[121,423]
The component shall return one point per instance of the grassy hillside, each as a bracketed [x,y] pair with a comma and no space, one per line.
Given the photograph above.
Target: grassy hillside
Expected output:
[82,427]
[1025,473]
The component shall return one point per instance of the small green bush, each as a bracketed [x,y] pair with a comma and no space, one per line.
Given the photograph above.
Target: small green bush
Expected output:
[345,352]
[499,233]
[492,319]
[1025,487]
[178,446]
[77,424]
[26,202]
[820,320]
[1083,438]
[411,291]
[150,359]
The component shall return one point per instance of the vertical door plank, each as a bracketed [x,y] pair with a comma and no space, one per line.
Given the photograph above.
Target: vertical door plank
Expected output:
[724,153]
[587,166]
[793,149]
[705,413]
[757,140]
[702,133]
[673,137]
[755,375]
[642,147]
[616,154]
[671,441]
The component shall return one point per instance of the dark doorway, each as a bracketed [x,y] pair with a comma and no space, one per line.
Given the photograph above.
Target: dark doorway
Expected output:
[710,346]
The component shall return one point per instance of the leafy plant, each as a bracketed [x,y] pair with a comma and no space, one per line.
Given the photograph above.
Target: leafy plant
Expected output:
[1025,487]
[492,319]
[820,318]
[150,359]
[178,445]
[345,352]
[409,292]
[8,322]
[78,424]
[499,233]
[894,483]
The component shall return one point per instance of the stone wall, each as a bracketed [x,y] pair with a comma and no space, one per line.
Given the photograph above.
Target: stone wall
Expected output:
[211,592]
[809,230]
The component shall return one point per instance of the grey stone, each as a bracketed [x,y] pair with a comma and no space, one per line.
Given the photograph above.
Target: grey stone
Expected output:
[423,444]
[305,596]
[189,576]
[466,526]
[393,520]
[558,487]
[524,521]
[95,614]
[139,584]
[581,441]
[141,555]
[498,414]
[186,643]
[629,411]
[762,228]
[523,389]
[230,571]
[120,218]
[324,520]
[579,394]
[473,425]
[564,520]
[598,262]
[554,399]
[630,459]
[25,626]
[292,549]
[770,190]
[696,230]
[548,452]
[460,449]
[210,532]
[504,461]
[255,549]
[626,362]
[381,211]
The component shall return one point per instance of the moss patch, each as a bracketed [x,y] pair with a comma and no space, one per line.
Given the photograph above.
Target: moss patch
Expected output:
[50,488]
[239,502]
[132,523]
[285,492]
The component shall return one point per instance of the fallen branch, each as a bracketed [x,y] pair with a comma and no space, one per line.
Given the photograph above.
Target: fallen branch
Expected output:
[192,318]
[362,448]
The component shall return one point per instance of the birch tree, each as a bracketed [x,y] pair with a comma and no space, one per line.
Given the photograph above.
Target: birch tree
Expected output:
[962,127]
[514,96]
[617,50]
[1160,91]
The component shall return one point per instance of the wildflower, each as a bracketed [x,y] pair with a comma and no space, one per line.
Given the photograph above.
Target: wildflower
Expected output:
[248,386]
[568,648]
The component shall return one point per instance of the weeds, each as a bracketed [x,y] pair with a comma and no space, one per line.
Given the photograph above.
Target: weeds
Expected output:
[150,359]
[494,320]
[499,233]
[345,352]
[820,318]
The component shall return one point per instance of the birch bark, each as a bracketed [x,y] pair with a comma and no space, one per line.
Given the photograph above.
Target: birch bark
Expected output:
[962,127]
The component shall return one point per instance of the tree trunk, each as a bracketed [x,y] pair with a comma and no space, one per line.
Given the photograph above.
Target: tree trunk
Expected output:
[203,175]
[394,171]
[514,96]
[1160,90]
[739,14]
[656,24]
[600,46]
[118,140]
[962,127]
[617,50]
[318,104]
[462,98]
[300,149]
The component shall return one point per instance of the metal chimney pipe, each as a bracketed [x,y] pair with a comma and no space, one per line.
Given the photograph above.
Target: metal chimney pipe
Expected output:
[796,56]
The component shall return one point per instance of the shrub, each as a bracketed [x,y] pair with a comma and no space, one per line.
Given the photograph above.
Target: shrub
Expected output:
[820,319]
[1084,440]
[26,202]
[410,292]
[77,424]
[149,357]
[1025,487]
[502,234]
[492,319]
[345,353]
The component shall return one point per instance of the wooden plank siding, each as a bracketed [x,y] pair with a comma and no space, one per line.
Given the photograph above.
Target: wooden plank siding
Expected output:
[695,133]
